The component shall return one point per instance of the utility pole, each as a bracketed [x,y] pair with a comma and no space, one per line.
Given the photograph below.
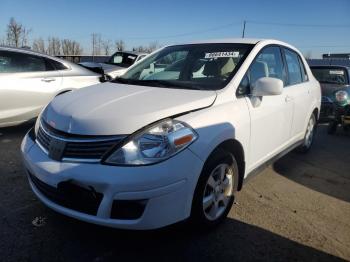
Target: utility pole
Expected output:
[243,32]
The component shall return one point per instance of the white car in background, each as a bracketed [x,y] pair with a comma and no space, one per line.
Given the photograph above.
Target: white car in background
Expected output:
[29,80]
[174,137]
[117,64]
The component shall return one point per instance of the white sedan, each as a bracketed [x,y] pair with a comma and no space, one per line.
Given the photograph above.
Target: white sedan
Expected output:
[175,137]
[29,80]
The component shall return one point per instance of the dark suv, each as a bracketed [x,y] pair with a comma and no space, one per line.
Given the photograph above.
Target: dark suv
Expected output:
[335,87]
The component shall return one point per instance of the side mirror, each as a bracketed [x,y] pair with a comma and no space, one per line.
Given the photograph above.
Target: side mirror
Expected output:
[267,86]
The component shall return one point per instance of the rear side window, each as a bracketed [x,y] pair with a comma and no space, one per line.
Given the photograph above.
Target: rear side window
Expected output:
[57,65]
[13,62]
[305,77]
[268,63]
[293,67]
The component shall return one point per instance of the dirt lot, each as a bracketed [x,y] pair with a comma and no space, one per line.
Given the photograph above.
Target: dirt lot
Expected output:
[296,210]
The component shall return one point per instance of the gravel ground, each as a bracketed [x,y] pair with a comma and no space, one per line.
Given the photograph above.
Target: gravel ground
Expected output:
[296,210]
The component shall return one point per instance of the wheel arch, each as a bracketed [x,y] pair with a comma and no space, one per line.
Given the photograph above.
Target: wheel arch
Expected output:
[63,92]
[236,149]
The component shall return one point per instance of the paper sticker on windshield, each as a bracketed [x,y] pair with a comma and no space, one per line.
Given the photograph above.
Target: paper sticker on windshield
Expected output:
[221,54]
[336,72]
[131,57]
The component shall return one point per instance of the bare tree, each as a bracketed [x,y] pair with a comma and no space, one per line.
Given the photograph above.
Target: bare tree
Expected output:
[96,43]
[16,34]
[106,45]
[54,46]
[2,42]
[119,45]
[146,49]
[39,45]
[153,46]
[307,54]
[25,36]
[70,47]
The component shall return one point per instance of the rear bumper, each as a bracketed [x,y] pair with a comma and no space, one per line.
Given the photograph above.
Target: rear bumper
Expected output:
[161,194]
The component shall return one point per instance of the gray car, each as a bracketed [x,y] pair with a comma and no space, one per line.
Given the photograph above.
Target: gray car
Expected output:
[117,64]
[29,80]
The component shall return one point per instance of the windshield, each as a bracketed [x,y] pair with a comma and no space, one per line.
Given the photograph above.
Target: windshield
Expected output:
[196,66]
[122,59]
[331,75]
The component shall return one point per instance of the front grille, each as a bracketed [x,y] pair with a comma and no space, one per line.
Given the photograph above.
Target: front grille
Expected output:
[70,195]
[75,147]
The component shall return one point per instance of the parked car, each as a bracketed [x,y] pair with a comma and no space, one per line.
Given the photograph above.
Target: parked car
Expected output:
[29,80]
[335,88]
[116,65]
[147,152]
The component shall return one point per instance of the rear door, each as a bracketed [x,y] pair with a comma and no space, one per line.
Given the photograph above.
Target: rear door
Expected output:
[271,116]
[298,89]
[28,83]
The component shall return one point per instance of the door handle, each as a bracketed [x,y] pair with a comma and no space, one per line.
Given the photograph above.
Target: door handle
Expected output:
[48,80]
[288,99]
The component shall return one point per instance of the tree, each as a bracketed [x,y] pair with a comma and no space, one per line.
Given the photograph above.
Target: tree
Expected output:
[106,45]
[54,46]
[119,45]
[39,45]
[16,34]
[71,47]
[153,46]
[308,54]
[147,49]
[96,43]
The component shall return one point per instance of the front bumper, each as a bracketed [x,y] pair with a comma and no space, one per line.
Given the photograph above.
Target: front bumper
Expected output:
[330,111]
[165,190]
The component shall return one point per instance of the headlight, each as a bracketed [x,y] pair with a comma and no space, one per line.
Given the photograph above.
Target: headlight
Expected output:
[341,96]
[37,122]
[154,144]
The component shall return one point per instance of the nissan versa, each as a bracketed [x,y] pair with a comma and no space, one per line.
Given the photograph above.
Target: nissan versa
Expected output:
[175,137]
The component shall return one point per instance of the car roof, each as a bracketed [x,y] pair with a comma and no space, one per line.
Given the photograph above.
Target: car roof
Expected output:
[253,41]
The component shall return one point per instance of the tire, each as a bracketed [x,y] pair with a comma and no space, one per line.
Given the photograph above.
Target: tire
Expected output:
[309,135]
[332,127]
[217,195]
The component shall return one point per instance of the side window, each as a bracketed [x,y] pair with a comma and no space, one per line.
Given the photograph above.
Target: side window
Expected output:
[5,62]
[293,67]
[305,77]
[13,62]
[268,63]
[57,65]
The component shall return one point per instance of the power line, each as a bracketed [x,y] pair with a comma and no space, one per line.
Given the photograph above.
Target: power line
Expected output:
[297,25]
[188,33]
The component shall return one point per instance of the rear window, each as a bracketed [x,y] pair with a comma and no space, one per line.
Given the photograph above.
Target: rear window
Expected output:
[331,75]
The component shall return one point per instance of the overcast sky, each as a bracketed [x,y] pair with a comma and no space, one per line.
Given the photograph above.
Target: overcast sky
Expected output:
[316,26]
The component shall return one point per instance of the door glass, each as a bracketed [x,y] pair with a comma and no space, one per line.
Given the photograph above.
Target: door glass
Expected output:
[267,64]
[294,71]
[12,62]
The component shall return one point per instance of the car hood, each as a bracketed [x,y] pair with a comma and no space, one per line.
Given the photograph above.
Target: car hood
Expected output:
[116,109]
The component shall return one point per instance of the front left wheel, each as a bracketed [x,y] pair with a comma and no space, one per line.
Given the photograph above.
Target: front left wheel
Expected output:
[214,194]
